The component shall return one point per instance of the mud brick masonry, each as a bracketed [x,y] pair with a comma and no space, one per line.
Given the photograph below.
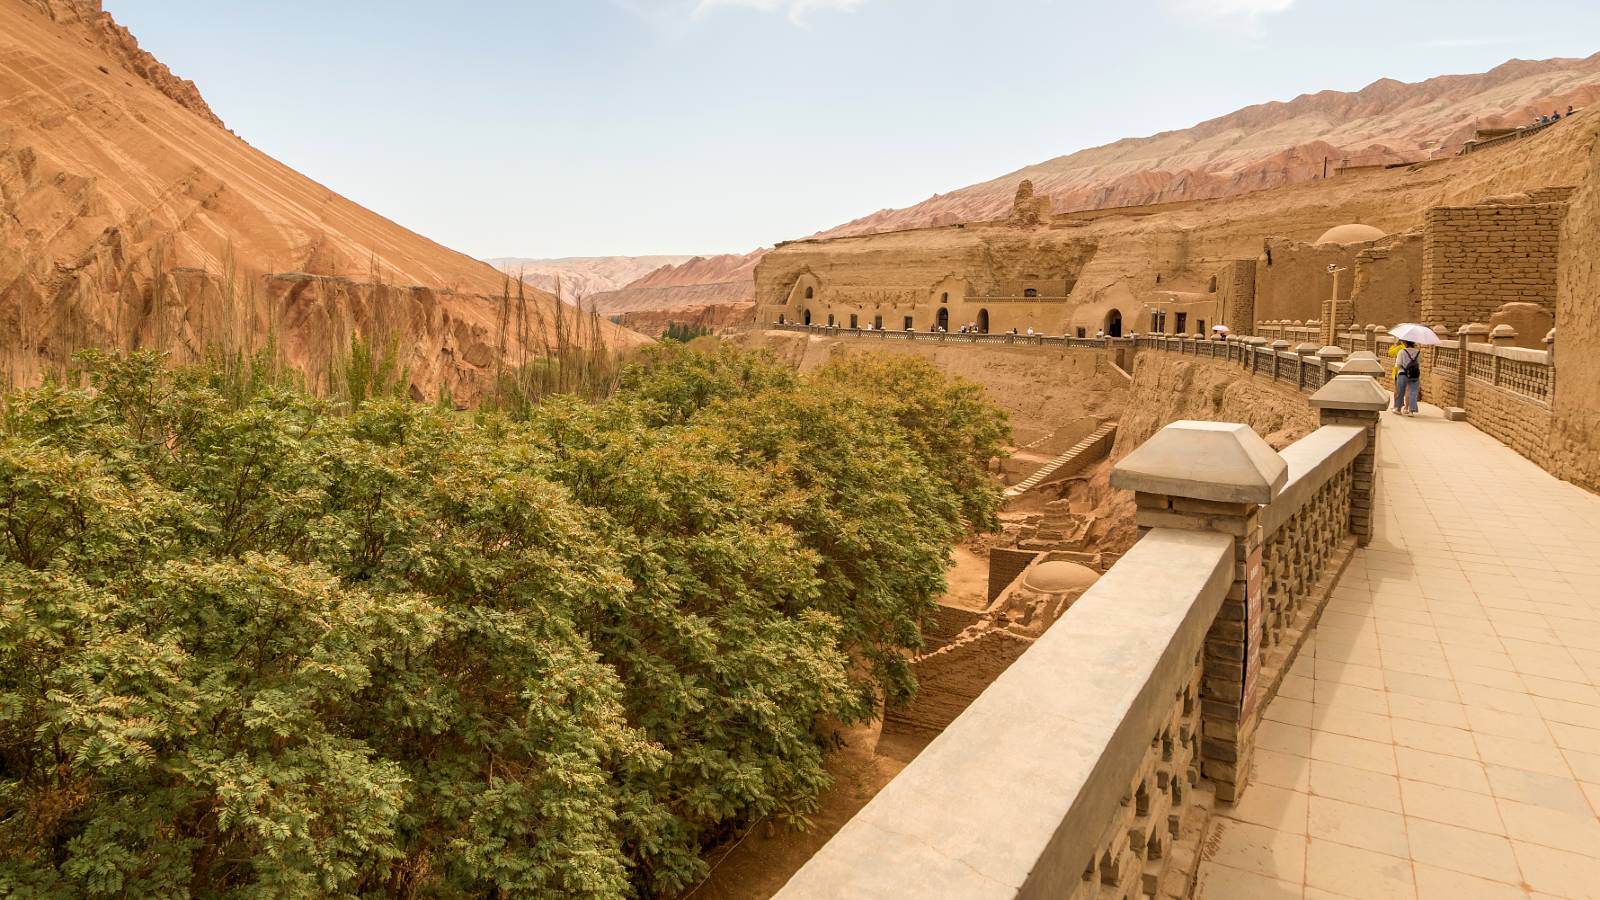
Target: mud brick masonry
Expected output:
[1477,258]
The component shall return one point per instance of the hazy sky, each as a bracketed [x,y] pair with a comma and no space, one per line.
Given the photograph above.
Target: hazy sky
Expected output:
[598,127]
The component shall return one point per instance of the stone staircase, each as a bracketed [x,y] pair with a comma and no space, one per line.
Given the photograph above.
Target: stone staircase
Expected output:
[1078,456]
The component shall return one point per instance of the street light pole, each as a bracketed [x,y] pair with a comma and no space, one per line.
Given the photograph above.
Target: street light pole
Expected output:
[1330,331]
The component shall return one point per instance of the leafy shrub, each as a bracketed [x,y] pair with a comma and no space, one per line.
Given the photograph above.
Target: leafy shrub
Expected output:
[253,647]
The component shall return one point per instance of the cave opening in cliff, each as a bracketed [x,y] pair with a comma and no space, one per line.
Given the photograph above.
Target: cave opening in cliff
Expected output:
[944,319]
[1114,323]
[983,321]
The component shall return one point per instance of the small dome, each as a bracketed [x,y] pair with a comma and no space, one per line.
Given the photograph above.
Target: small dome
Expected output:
[1058,576]
[1350,234]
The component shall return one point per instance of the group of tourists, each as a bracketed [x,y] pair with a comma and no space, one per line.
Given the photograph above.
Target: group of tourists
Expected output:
[1555,116]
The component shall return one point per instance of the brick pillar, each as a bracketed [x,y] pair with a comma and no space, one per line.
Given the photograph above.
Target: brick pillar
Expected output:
[1471,333]
[1214,476]
[1355,398]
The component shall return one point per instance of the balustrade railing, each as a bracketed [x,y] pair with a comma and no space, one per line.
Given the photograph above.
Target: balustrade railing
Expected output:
[1526,373]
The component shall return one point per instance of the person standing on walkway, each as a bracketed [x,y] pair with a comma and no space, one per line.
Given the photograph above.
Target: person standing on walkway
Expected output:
[1408,379]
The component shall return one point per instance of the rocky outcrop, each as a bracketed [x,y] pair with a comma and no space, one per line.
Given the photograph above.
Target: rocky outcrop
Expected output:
[714,318]
[1271,144]
[97,26]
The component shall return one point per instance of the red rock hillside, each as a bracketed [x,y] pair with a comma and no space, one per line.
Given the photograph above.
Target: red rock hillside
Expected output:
[710,292]
[130,217]
[1271,144]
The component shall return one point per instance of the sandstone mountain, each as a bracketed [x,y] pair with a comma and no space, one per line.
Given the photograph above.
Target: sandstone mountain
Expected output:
[581,277]
[706,291]
[1272,144]
[130,217]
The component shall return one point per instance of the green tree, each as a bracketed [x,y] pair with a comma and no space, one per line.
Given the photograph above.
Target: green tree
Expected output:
[253,643]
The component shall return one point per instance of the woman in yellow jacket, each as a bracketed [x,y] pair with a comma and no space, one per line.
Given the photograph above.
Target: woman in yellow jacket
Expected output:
[1407,359]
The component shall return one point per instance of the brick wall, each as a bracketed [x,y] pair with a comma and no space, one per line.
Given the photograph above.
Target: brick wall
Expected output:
[1236,293]
[1005,565]
[1388,282]
[950,678]
[1475,258]
[946,625]
[1520,424]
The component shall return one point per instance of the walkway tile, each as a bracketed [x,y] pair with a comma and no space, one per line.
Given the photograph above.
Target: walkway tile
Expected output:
[1439,736]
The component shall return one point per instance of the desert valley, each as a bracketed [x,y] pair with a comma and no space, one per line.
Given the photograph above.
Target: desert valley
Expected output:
[1066,534]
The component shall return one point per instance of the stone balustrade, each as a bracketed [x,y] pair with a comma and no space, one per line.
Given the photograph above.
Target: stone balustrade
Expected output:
[1083,769]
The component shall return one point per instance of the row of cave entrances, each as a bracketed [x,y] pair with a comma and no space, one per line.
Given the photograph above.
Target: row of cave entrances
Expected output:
[1113,323]
[941,322]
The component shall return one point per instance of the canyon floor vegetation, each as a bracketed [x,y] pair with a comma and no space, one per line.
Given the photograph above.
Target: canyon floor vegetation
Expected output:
[254,643]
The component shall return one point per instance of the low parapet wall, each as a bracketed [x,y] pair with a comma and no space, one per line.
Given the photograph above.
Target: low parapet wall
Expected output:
[1071,775]
[1031,791]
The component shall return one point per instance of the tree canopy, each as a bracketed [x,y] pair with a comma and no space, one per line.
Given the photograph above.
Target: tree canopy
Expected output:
[255,645]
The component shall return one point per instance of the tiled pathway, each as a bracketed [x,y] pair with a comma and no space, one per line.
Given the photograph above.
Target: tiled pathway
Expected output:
[1439,735]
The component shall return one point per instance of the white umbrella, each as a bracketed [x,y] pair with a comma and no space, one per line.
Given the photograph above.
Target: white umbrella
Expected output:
[1417,334]
[1221,328]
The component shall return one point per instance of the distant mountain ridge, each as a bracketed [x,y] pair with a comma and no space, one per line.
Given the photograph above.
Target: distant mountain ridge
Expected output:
[583,277]
[1271,144]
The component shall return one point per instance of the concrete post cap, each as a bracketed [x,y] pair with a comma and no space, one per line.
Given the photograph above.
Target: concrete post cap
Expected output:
[1503,330]
[1256,341]
[1362,363]
[1281,345]
[1331,352]
[1225,462]
[1550,338]
[1473,328]
[1351,392]
[1298,323]
[1306,349]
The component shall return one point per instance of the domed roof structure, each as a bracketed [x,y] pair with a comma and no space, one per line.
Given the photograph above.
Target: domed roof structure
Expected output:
[1057,576]
[1350,234]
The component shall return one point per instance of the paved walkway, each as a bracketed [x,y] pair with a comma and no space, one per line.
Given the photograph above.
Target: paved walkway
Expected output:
[1439,735]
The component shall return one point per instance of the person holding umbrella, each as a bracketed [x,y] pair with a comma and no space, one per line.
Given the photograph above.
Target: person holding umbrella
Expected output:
[1408,365]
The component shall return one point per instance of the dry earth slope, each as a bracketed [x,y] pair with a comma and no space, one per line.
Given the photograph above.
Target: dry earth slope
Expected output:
[1271,144]
[129,216]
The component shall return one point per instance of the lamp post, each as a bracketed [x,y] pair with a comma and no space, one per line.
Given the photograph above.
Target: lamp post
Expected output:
[1330,331]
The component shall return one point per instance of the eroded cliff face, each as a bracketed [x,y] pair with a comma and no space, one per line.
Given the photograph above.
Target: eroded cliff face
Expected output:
[1178,253]
[1575,434]
[117,182]
[1271,145]
[1167,387]
[713,318]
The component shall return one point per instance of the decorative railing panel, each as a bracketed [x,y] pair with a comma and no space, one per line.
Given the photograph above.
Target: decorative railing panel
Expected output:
[1529,379]
[1480,363]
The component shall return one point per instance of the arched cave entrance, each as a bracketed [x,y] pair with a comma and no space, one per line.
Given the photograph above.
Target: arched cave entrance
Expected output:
[1114,323]
[780,318]
[830,320]
[877,323]
[808,317]
[853,321]
[943,322]
[983,321]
